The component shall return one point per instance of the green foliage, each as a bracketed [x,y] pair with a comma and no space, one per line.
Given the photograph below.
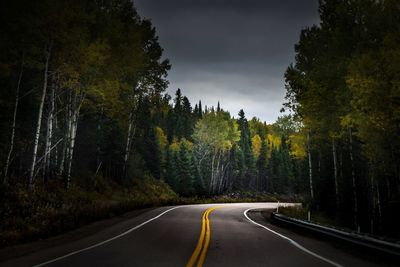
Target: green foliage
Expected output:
[344,88]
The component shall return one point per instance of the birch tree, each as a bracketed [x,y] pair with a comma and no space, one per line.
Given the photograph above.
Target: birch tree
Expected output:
[40,112]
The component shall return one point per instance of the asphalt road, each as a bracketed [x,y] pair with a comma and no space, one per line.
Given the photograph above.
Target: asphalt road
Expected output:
[197,235]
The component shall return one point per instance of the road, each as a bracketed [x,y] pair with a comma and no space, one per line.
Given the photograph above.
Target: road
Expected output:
[197,235]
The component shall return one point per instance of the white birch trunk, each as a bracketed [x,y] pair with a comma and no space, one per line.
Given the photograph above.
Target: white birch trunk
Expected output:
[39,122]
[217,174]
[74,126]
[212,173]
[49,136]
[128,144]
[65,151]
[56,149]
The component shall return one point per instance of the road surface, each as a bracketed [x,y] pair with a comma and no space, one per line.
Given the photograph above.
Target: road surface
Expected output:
[197,235]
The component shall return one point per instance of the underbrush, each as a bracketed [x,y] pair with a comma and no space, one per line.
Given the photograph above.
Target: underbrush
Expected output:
[29,215]
[46,211]
[238,197]
[301,213]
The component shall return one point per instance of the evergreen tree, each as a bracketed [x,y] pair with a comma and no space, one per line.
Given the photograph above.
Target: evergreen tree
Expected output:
[262,165]
[248,171]
[187,118]
[200,114]
[172,169]
[170,125]
[185,168]
[179,127]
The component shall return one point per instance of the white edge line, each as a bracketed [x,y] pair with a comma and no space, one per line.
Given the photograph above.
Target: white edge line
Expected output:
[294,243]
[106,241]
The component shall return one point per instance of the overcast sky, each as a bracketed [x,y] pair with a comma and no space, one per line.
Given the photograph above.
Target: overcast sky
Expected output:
[235,51]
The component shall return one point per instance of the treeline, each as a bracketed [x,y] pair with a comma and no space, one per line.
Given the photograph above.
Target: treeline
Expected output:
[344,87]
[209,152]
[83,97]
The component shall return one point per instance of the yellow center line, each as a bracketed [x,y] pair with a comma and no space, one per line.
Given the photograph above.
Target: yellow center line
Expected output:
[204,241]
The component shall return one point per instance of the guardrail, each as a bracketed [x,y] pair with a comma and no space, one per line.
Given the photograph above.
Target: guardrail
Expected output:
[355,238]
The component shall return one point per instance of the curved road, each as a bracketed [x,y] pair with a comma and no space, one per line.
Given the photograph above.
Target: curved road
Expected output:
[196,235]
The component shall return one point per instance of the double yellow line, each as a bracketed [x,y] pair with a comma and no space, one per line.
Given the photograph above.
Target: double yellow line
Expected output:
[204,241]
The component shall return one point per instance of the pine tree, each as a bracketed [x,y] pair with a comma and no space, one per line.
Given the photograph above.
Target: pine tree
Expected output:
[187,120]
[178,118]
[171,169]
[200,114]
[262,165]
[248,172]
[185,168]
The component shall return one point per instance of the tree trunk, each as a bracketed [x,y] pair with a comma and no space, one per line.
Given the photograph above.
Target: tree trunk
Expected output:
[335,173]
[354,184]
[49,136]
[39,122]
[341,164]
[212,174]
[319,162]
[310,165]
[65,151]
[14,122]
[223,172]
[56,149]
[378,198]
[217,174]
[74,126]
[98,143]
[128,144]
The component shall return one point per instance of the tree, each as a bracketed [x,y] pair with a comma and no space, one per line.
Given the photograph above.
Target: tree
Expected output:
[185,177]
[214,136]
[262,165]
[245,146]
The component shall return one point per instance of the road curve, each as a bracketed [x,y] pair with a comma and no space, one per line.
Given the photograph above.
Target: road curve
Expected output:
[195,235]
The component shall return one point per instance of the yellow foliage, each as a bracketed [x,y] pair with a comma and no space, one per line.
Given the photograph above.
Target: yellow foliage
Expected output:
[298,146]
[161,138]
[256,145]
[273,141]
[186,143]
[277,142]
[176,145]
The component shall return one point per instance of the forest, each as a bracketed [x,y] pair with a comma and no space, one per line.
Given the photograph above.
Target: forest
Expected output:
[88,130]
[344,88]
[87,127]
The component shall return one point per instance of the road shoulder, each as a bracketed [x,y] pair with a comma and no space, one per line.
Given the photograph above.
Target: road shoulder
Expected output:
[342,253]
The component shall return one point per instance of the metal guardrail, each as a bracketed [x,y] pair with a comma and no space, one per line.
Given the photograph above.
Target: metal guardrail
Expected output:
[355,238]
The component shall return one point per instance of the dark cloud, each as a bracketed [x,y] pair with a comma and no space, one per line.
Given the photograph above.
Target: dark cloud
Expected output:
[230,50]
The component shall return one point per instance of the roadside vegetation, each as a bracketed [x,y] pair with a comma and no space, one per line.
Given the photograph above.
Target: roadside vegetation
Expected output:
[51,210]
[301,213]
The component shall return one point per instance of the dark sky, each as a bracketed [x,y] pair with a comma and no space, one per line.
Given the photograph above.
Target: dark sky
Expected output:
[235,51]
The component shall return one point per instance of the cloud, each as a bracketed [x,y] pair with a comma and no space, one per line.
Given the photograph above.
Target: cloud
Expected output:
[234,51]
